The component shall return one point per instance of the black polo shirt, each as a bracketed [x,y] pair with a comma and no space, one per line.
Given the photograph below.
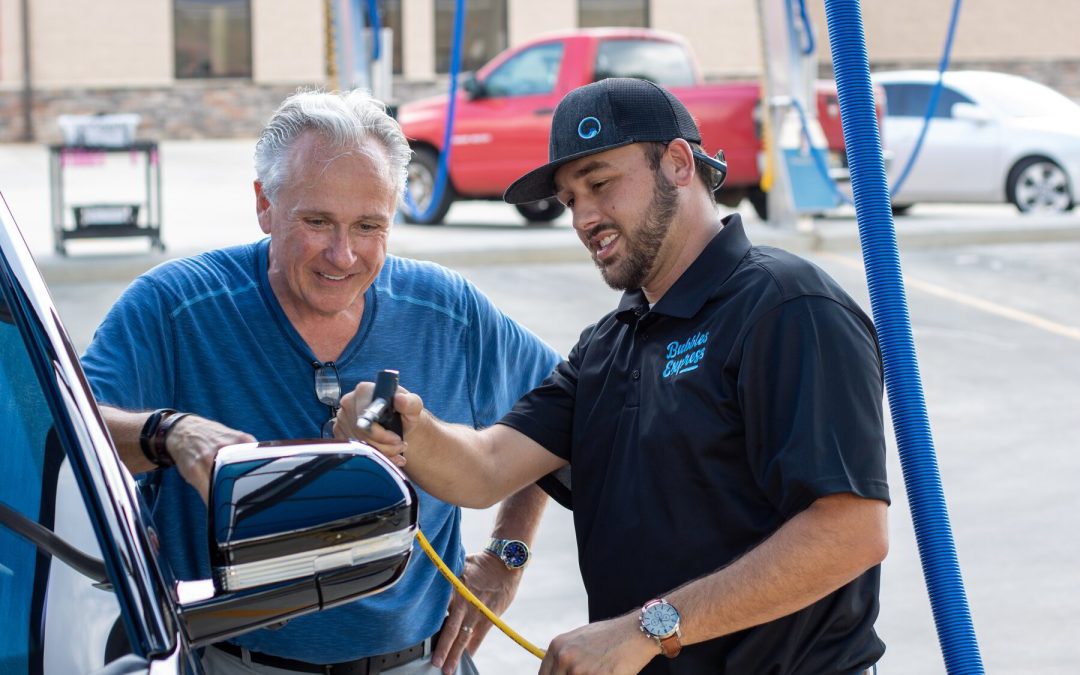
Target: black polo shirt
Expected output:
[695,429]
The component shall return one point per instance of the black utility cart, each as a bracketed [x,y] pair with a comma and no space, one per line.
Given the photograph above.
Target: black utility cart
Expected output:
[138,217]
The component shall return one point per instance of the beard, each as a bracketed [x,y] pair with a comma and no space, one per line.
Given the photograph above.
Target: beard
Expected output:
[642,247]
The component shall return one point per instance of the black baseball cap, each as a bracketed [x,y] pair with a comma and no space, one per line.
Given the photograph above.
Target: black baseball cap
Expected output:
[605,115]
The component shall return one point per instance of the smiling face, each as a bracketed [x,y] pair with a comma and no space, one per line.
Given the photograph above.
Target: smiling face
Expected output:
[329,223]
[623,211]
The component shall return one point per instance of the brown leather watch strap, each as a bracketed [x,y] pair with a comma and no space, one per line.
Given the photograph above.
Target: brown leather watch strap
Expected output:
[671,645]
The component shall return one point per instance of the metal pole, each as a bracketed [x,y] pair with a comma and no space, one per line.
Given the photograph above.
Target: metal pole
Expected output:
[776,85]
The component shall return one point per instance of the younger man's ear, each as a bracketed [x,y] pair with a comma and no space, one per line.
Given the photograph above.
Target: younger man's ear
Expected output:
[681,162]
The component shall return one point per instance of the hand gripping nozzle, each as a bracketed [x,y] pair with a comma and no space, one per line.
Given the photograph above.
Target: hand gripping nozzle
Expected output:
[381,409]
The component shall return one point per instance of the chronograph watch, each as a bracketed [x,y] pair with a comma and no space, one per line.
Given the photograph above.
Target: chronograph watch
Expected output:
[514,554]
[660,621]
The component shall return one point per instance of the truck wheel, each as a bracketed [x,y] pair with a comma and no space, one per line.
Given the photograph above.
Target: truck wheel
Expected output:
[543,211]
[759,199]
[422,171]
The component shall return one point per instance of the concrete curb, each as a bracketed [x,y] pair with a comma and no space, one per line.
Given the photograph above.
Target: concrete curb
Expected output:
[849,241]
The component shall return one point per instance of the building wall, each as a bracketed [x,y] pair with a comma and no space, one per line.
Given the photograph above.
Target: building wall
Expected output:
[74,47]
[85,62]
[418,48]
[529,19]
[117,55]
[11,60]
[288,41]
[914,30]
[1034,38]
[723,33]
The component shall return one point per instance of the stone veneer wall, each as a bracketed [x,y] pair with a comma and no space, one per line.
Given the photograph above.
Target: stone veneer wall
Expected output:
[238,109]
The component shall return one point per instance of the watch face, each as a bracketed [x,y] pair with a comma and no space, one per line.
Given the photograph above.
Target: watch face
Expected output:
[660,619]
[515,554]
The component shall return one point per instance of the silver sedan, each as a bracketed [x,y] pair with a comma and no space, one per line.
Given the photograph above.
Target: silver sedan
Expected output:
[992,137]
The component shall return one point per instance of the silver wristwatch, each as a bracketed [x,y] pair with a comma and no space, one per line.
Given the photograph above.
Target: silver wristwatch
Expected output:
[515,554]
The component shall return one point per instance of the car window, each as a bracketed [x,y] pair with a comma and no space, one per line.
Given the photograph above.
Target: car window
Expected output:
[532,72]
[29,463]
[665,63]
[912,100]
[58,609]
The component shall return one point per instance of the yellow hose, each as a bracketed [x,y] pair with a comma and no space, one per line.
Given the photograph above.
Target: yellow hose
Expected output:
[468,595]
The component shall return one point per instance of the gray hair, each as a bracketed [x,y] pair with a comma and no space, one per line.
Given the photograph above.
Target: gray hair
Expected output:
[346,119]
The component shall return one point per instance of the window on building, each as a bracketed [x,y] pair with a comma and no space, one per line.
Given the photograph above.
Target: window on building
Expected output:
[628,13]
[213,38]
[665,63]
[532,72]
[390,16]
[485,33]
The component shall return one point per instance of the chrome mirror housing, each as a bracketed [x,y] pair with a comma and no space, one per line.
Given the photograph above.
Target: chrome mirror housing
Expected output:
[296,527]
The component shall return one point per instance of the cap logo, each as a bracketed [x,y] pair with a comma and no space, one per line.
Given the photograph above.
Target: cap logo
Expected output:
[588,127]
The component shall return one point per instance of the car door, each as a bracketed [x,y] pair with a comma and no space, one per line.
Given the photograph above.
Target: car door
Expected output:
[959,159]
[74,557]
[504,133]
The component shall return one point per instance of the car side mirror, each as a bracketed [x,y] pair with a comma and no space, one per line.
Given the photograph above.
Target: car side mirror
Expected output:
[473,87]
[971,113]
[296,527]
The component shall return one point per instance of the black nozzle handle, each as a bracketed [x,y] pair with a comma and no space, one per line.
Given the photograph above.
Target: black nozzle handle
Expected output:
[381,409]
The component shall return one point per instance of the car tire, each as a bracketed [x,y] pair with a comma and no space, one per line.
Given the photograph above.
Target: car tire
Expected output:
[759,199]
[423,169]
[901,209]
[543,211]
[1039,184]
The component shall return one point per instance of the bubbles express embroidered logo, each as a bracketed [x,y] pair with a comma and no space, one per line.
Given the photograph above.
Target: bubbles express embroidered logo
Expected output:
[682,357]
[588,128]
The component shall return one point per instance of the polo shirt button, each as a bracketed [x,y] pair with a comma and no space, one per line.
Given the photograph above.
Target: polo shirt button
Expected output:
[636,374]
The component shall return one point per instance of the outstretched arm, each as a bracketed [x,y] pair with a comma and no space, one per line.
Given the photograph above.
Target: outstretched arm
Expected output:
[456,463]
[193,443]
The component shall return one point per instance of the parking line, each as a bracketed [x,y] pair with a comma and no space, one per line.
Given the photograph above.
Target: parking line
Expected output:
[1071,332]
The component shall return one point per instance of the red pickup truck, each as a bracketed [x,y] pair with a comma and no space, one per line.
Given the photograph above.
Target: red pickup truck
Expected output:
[503,115]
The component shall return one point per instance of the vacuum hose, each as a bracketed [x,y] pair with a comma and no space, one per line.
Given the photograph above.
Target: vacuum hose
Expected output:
[881,258]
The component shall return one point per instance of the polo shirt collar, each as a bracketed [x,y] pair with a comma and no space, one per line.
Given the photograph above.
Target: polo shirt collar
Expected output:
[699,282]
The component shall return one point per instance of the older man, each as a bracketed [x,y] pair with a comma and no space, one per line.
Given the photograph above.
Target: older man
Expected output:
[723,424]
[259,341]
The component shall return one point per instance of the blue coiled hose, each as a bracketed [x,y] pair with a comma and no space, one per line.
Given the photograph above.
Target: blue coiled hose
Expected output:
[881,258]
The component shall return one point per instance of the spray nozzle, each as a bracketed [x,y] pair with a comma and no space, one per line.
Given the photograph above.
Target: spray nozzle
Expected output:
[381,409]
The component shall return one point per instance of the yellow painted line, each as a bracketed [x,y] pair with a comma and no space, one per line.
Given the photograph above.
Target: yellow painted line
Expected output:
[1071,332]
